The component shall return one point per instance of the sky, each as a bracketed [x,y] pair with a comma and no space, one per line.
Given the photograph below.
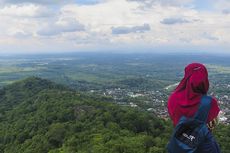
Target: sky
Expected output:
[45,26]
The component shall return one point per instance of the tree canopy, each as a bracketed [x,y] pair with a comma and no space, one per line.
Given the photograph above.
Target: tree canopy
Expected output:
[39,116]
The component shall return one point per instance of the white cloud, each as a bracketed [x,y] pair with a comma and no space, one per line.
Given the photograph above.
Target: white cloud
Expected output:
[52,2]
[61,26]
[29,10]
[150,3]
[133,29]
[171,21]
[222,4]
[89,2]
[112,24]
[226,11]
[43,2]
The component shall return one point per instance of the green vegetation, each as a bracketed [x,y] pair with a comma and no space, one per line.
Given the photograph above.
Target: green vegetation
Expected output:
[39,116]
[100,71]
[223,137]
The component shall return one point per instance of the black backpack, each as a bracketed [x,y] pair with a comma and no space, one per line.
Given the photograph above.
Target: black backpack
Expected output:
[191,132]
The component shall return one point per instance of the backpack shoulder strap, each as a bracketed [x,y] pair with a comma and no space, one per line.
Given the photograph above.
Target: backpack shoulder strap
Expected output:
[205,105]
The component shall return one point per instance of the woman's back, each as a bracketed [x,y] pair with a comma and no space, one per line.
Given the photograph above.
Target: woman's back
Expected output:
[185,100]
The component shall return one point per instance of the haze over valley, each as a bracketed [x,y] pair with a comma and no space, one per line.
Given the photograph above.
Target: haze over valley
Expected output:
[136,80]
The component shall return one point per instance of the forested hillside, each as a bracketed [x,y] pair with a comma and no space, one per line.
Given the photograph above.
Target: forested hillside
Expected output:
[39,116]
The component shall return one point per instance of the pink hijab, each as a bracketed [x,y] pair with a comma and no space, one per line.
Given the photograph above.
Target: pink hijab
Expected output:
[186,97]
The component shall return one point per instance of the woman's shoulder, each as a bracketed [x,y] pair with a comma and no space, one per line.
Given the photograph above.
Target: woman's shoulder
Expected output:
[214,100]
[214,111]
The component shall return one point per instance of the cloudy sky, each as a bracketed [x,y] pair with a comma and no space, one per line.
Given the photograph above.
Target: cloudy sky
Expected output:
[33,26]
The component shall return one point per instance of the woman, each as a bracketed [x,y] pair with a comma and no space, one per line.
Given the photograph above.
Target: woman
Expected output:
[185,100]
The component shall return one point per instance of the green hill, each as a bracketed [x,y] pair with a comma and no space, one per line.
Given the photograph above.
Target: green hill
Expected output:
[14,94]
[39,116]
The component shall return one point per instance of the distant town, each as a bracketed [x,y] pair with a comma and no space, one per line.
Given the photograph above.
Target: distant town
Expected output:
[142,81]
[155,101]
